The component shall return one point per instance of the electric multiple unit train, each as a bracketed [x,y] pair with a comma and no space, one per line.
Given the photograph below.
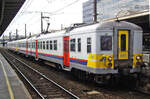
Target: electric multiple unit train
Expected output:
[101,49]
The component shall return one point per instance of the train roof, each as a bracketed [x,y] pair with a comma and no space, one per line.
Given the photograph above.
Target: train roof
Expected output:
[53,34]
[22,40]
[106,26]
[102,26]
[124,24]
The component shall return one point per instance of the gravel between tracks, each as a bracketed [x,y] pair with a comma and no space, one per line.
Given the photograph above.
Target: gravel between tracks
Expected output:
[83,89]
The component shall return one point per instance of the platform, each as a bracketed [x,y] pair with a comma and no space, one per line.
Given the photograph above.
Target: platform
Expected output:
[11,87]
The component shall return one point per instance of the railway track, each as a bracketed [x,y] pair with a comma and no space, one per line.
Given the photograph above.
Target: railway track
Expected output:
[103,92]
[44,87]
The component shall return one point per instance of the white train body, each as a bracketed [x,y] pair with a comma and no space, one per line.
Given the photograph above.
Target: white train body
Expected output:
[102,48]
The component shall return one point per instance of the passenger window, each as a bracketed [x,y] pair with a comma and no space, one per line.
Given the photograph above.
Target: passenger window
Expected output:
[51,45]
[106,43]
[43,44]
[123,42]
[38,45]
[72,45]
[32,45]
[47,45]
[89,43]
[79,44]
[55,44]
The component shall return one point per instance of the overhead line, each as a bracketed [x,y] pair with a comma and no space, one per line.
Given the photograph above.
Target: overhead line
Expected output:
[65,6]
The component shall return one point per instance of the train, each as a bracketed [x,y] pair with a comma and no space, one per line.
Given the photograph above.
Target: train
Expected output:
[98,51]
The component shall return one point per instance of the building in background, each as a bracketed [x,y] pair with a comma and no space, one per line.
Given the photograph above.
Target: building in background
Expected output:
[107,9]
[88,11]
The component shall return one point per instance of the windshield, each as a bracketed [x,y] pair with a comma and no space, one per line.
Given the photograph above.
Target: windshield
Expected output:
[106,43]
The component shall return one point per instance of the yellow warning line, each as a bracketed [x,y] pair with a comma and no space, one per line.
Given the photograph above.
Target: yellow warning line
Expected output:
[7,81]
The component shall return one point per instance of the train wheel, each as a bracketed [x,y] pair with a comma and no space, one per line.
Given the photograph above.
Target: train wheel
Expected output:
[113,81]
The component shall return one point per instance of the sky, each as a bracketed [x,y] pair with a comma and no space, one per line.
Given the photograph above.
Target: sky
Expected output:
[61,12]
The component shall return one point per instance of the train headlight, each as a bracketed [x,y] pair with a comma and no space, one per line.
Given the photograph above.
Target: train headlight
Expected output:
[138,57]
[110,58]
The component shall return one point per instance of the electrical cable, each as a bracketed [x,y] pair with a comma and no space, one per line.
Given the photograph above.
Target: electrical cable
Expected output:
[29,2]
[65,6]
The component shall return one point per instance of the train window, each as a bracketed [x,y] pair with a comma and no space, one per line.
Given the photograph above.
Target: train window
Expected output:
[51,45]
[37,45]
[32,44]
[55,44]
[79,44]
[106,43]
[72,45]
[123,42]
[47,45]
[89,43]
[43,44]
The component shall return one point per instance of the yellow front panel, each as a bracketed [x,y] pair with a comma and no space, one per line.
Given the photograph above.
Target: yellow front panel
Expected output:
[96,61]
[135,60]
[16,48]
[123,54]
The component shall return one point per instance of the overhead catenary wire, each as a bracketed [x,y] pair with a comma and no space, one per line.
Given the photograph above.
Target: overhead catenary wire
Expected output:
[55,12]
[29,3]
[66,6]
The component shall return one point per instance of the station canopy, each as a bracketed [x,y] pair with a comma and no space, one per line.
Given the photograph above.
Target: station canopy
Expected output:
[8,10]
[141,19]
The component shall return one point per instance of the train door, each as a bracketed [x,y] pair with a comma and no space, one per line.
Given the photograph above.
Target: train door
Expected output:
[123,44]
[26,47]
[66,52]
[36,49]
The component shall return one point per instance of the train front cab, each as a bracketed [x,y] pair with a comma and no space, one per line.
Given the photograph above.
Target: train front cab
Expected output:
[123,52]
[128,53]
